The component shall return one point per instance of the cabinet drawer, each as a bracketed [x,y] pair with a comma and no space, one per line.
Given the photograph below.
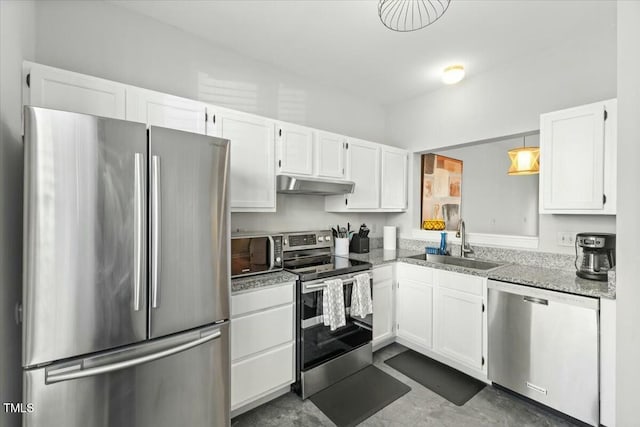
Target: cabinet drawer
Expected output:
[382,273]
[261,299]
[258,375]
[262,330]
[415,273]
[461,282]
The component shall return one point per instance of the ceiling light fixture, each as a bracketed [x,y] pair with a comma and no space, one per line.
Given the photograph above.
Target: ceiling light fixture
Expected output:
[524,160]
[453,74]
[410,15]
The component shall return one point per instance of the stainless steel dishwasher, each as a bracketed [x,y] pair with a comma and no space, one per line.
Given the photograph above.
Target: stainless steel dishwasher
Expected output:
[544,345]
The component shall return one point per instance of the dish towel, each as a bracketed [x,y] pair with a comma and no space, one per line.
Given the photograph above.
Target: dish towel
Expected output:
[333,304]
[361,303]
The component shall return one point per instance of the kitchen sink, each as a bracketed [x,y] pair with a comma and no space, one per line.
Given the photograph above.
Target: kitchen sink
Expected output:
[475,264]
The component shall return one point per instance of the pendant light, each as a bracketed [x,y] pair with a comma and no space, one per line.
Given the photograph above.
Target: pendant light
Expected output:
[410,15]
[524,160]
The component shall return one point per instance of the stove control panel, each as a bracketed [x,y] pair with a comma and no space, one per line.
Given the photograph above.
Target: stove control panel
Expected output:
[307,240]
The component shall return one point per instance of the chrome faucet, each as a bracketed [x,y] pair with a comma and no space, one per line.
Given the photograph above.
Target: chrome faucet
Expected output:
[465,248]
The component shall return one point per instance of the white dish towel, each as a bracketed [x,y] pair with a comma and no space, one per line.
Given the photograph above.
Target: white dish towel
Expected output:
[361,303]
[333,304]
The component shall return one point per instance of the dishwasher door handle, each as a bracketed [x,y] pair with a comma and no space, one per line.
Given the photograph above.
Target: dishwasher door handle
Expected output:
[534,300]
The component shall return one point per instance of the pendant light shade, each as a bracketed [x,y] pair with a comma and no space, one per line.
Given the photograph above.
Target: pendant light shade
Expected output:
[410,15]
[524,160]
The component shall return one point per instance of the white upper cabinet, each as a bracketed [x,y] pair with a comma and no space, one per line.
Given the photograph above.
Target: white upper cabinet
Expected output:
[380,175]
[393,178]
[295,149]
[330,155]
[578,159]
[159,109]
[50,87]
[363,165]
[252,170]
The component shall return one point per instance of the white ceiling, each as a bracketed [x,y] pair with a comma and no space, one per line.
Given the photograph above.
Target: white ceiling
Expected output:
[343,44]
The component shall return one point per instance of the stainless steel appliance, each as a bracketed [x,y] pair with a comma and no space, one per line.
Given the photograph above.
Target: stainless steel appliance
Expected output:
[598,255]
[293,184]
[324,357]
[255,253]
[544,345]
[126,274]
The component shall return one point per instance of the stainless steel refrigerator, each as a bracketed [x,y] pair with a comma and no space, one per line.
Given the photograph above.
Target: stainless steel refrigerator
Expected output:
[126,274]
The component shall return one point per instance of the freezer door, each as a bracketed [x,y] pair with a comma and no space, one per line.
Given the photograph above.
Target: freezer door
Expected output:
[84,234]
[182,380]
[189,230]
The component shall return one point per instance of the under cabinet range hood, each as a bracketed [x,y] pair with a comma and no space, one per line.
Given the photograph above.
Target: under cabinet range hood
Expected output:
[294,184]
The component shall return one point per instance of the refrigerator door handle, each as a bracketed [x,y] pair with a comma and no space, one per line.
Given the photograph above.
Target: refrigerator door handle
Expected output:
[75,372]
[138,226]
[155,236]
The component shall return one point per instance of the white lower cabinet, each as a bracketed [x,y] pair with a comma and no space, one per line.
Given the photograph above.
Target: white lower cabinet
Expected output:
[383,304]
[441,314]
[262,344]
[458,326]
[415,305]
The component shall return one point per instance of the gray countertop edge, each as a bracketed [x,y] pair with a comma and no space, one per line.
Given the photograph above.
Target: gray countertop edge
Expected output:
[261,281]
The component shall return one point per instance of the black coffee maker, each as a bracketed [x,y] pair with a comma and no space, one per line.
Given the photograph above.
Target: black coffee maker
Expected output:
[598,255]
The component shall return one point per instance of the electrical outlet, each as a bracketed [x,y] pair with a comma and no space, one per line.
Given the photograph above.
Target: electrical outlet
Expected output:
[565,238]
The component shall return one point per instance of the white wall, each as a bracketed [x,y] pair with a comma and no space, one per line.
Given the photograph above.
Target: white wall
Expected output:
[301,212]
[492,201]
[508,100]
[108,41]
[104,40]
[16,43]
[628,267]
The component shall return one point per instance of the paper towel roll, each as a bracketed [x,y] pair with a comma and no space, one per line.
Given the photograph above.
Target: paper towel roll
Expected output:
[389,237]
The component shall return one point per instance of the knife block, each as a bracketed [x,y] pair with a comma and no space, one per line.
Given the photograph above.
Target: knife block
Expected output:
[359,245]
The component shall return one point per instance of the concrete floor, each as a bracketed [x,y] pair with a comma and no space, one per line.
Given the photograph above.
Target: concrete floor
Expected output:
[419,407]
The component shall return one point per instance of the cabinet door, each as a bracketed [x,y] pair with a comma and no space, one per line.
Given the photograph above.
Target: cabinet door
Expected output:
[68,91]
[159,109]
[252,170]
[393,192]
[572,159]
[364,169]
[382,310]
[330,154]
[295,149]
[261,374]
[414,312]
[458,326]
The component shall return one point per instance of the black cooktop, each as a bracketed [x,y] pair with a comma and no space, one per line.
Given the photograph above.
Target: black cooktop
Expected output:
[324,266]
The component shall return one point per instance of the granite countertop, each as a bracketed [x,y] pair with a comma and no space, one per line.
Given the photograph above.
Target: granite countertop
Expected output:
[539,277]
[554,279]
[383,256]
[248,283]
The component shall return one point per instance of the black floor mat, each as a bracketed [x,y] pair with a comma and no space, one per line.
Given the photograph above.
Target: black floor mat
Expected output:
[449,383]
[357,397]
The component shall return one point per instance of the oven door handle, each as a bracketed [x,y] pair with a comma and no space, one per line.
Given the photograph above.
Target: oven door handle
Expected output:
[322,285]
[362,325]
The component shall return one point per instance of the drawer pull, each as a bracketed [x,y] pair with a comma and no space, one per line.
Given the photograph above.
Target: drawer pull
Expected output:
[537,388]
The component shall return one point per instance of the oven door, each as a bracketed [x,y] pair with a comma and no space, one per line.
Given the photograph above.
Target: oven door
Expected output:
[318,343]
[252,255]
